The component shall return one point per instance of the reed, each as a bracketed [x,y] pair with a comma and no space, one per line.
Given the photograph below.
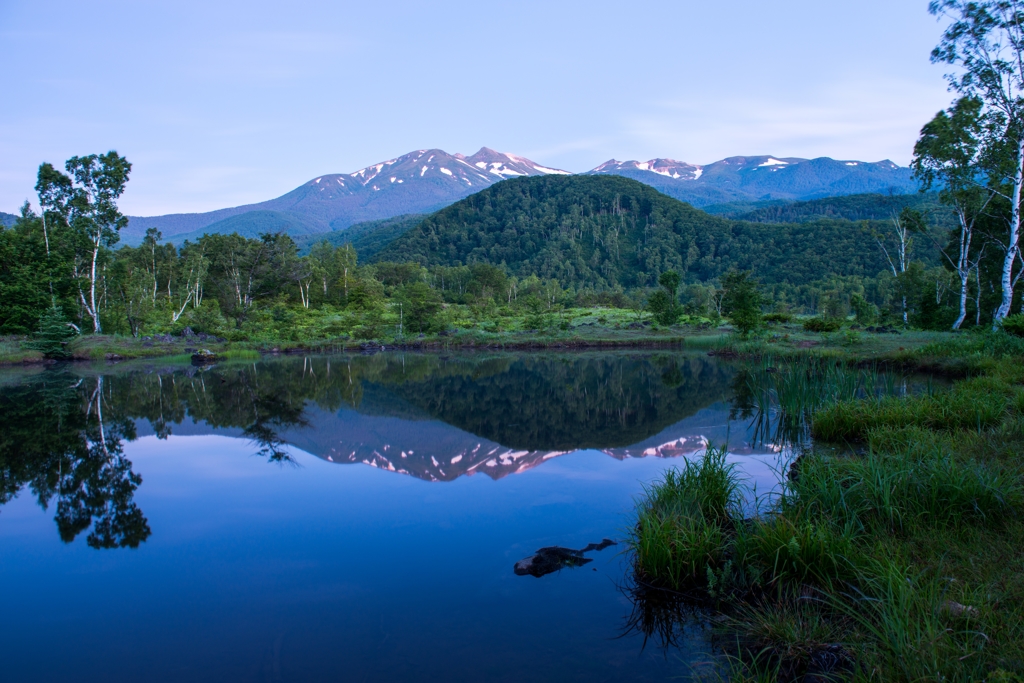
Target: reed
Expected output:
[787,395]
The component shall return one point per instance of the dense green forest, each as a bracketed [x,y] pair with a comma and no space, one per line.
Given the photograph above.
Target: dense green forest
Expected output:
[527,247]
[854,207]
[610,232]
[366,238]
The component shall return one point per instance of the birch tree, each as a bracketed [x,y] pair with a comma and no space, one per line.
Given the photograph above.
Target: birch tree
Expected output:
[86,201]
[947,155]
[896,244]
[193,271]
[985,39]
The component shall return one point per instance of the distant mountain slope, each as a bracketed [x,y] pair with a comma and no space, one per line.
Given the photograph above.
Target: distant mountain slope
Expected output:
[856,207]
[254,224]
[7,219]
[418,182]
[606,231]
[762,177]
[366,238]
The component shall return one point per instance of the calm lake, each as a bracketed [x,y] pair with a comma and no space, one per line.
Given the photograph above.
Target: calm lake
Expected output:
[346,517]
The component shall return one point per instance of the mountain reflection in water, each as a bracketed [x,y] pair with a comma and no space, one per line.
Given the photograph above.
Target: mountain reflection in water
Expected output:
[248,553]
[432,417]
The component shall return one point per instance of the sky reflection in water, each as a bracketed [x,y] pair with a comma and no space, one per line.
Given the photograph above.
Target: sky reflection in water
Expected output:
[304,569]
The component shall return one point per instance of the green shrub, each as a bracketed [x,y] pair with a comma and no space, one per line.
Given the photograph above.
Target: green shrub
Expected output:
[741,301]
[821,325]
[207,319]
[777,318]
[1014,324]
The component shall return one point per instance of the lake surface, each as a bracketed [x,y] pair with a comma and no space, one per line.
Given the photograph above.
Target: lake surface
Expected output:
[344,518]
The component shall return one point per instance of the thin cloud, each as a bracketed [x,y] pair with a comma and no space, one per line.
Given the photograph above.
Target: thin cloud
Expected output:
[857,120]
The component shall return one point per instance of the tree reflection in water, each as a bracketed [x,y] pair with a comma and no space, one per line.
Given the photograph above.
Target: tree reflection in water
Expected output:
[64,429]
[57,440]
[63,437]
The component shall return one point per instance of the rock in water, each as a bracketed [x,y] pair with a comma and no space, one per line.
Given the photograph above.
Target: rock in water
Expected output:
[203,357]
[554,558]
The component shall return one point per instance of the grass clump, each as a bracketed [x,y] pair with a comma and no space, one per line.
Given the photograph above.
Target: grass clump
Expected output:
[684,522]
[886,492]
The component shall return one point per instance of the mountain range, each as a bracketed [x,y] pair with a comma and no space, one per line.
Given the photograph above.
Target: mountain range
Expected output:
[762,178]
[427,180]
[419,182]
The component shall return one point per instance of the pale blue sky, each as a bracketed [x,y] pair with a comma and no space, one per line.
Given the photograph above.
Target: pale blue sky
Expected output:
[223,103]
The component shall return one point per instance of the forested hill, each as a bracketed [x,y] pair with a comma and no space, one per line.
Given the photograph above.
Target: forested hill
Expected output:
[366,238]
[604,232]
[854,207]
[7,219]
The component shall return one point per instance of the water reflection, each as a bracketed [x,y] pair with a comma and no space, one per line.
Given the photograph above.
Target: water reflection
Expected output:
[432,417]
[780,396]
[58,442]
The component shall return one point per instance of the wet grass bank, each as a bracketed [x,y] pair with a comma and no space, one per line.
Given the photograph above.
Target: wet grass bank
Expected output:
[900,558]
[778,340]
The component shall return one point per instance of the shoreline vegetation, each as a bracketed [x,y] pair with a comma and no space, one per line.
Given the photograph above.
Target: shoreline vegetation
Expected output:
[893,552]
[585,333]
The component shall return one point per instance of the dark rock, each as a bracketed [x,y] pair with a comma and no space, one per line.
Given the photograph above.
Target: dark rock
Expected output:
[554,558]
[955,609]
[114,357]
[187,333]
[203,357]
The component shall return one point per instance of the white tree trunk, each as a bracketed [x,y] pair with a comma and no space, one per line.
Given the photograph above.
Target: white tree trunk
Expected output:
[1012,246]
[90,305]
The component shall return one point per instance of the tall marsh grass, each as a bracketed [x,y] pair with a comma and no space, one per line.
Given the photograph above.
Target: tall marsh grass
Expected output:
[871,558]
[784,396]
[974,404]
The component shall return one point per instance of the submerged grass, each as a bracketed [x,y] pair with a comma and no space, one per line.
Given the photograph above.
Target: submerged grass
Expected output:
[784,394]
[903,562]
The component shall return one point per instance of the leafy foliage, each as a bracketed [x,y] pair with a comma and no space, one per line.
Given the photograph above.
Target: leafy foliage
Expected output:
[742,301]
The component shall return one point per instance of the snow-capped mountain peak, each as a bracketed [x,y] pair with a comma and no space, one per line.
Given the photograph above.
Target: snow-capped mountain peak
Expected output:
[670,168]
